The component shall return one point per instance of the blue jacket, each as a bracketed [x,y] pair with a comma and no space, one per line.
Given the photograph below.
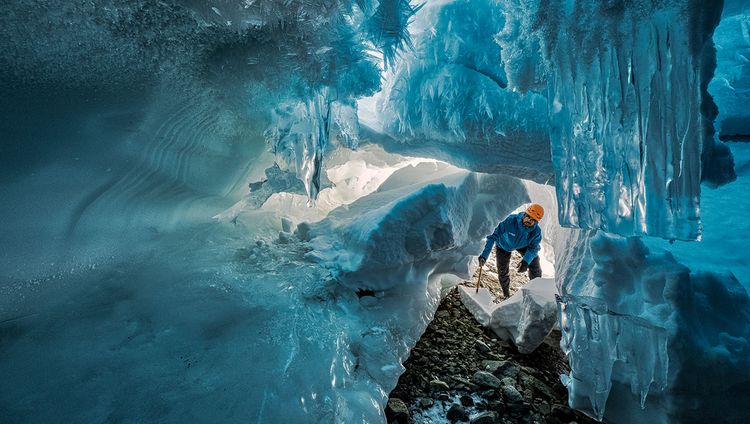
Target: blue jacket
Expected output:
[511,235]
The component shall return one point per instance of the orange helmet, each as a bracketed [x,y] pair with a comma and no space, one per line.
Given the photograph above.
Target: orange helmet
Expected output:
[535,211]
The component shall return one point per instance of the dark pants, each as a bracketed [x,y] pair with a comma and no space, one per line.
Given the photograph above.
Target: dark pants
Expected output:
[503,260]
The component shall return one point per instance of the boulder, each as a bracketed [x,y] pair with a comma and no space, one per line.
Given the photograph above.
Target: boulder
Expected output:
[396,411]
[489,417]
[486,379]
[457,413]
[512,395]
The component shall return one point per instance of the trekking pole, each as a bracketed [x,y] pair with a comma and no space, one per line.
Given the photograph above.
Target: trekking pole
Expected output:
[479,280]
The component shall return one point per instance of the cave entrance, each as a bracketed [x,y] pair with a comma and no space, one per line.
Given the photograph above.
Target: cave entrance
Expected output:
[489,273]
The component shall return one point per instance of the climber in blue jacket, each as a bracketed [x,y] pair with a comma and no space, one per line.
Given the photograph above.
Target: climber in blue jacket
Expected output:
[519,232]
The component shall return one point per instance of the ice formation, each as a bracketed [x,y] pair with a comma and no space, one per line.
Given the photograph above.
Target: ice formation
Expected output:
[627,88]
[127,126]
[650,339]
[452,91]
[525,319]
[730,86]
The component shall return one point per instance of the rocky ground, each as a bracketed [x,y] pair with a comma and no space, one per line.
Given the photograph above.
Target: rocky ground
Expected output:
[461,372]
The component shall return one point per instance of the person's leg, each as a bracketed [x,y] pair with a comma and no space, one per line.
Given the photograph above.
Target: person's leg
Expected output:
[535,267]
[503,260]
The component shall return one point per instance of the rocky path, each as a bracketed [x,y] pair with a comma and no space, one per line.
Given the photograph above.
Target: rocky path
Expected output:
[461,372]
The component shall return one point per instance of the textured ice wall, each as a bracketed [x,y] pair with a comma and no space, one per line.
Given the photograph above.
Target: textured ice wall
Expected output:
[649,339]
[631,117]
[129,118]
[448,98]
[730,86]
[382,241]
[632,140]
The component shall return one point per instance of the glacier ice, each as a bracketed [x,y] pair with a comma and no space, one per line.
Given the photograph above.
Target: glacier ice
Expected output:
[651,339]
[449,98]
[128,125]
[730,86]
[632,139]
[626,86]
[526,318]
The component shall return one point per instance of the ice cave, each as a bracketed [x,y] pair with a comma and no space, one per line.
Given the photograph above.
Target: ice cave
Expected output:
[251,211]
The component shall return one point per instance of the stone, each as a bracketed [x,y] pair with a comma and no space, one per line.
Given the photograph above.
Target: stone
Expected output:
[466,400]
[486,379]
[508,381]
[496,405]
[502,369]
[492,355]
[543,407]
[488,417]
[511,394]
[426,403]
[519,409]
[487,394]
[284,238]
[469,385]
[481,346]
[538,386]
[444,397]
[563,413]
[437,385]
[396,411]
[457,413]
[492,366]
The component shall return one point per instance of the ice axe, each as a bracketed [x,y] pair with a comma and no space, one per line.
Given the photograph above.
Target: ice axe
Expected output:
[479,279]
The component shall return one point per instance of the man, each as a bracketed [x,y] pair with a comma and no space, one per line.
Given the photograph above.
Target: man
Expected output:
[519,232]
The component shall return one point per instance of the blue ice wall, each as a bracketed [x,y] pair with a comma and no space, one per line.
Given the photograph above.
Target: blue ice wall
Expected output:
[730,86]
[450,99]
[632,122]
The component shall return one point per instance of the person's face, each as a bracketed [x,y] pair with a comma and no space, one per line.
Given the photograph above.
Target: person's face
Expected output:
[528,221]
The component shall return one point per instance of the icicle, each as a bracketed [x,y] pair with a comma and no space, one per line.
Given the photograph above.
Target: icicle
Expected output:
[388,27]
[299,136]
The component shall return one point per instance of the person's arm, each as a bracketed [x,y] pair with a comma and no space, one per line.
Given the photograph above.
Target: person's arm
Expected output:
[490,242]
[492,238]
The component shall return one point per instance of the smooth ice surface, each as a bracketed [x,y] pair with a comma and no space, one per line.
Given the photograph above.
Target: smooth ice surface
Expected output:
[721,247]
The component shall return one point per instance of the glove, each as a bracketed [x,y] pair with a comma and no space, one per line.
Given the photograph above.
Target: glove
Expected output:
[523,266]
[482,261]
